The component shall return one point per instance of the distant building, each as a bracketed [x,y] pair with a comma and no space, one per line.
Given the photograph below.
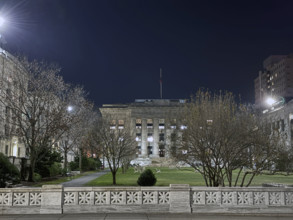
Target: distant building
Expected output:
[276,80]
[153,121]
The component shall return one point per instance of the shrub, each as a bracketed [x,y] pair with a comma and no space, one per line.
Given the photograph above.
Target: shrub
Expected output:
[147,178]
[37,177]
[8,172]
[43,166]
[86,163]
[55,169]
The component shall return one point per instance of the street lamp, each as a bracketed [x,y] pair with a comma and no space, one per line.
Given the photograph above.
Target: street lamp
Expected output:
[2,39]
[70,108]
[273,101]
[270,101]
[2,21]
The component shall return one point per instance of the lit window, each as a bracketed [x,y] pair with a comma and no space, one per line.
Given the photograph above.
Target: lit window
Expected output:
[209,122]
[138,137]
[162,124]
[138,123]
[183,127]
[150,137]
[113,124]
[150,123]
[173,124]
[120,124]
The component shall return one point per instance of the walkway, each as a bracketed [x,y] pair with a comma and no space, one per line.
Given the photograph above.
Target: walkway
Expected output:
[84,179]
[145,217]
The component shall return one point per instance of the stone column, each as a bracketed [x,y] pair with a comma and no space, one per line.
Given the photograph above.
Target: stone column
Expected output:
[156,137]
[52,199]
[180,198]
[144,132]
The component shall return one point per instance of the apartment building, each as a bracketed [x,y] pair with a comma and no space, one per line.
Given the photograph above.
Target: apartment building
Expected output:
[275,80]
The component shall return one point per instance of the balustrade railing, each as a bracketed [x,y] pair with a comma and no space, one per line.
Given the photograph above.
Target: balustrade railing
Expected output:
[176,198]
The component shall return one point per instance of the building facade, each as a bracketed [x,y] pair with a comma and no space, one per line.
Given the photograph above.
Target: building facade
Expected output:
[153,122]
[275,80]
[281,119]
[10,143]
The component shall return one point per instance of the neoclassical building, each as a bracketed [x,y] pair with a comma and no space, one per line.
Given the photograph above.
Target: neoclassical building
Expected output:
[281,118]
[153,122]
[10,144]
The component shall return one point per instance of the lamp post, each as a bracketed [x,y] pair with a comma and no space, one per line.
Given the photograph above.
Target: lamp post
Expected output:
[2,39]
[273,101]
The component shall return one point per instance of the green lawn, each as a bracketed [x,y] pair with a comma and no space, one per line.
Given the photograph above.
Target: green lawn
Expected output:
[183,176]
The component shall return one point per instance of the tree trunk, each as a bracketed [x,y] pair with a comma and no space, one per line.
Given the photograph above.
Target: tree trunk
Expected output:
[32,169]
[80,158]
[114,178]
[65,159]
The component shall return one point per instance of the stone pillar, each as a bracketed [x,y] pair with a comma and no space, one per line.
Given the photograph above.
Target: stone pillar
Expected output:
[156,137]
[180,198]
[52,199]
[144,131]
[168,143]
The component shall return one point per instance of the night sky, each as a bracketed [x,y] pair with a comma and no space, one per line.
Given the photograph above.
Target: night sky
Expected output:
[115,48]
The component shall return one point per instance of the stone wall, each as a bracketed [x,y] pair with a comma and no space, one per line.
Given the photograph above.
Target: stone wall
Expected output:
[174,199]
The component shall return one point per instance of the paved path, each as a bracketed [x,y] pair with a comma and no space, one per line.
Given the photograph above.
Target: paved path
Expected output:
[83,180]
[145,217]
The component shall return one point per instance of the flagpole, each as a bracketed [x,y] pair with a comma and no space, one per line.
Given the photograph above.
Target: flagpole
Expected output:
[161,86]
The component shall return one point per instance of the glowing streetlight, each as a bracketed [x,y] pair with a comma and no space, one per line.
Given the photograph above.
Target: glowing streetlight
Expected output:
[70,108]
[2,21]
[270,101]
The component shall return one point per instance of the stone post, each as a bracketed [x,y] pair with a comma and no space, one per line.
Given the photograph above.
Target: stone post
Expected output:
[180,198]
[52,199]
[144,131]
[156,137]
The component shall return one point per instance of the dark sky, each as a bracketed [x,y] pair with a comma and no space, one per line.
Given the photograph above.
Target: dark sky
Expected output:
[115,48]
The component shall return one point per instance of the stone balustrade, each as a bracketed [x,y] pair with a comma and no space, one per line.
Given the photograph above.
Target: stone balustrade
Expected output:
[174,199]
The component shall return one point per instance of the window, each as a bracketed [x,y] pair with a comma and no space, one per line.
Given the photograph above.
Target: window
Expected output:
[282,125]
[6,150]
[173,123]
[162,137]
[138,123]
[120,124]
[138,137]
[113,124]
[150,137]
[161,124]
[150,123]
[162,151]
[150,150]
[138,150]
[209,122]
[183,127]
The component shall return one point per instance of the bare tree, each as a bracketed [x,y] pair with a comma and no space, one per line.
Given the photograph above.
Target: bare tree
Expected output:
[38,103]
[118,143]
[83,116]
[222,136]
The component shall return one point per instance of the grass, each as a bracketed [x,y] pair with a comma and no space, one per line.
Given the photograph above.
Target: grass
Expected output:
[62,179]
[183,176]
